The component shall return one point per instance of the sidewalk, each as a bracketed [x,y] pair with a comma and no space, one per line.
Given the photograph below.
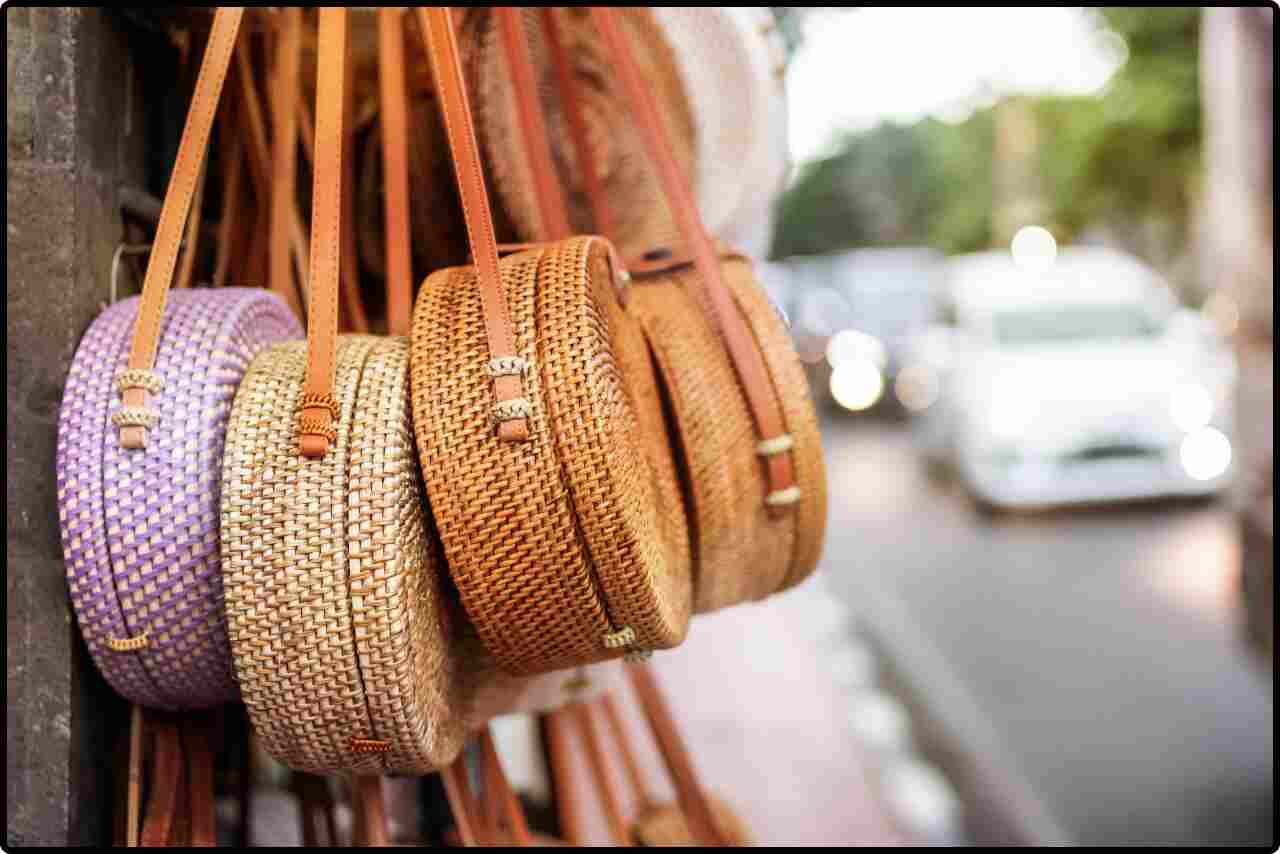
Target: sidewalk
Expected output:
[767,726]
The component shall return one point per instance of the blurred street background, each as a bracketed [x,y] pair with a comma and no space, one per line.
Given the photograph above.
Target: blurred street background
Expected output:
[1026,254]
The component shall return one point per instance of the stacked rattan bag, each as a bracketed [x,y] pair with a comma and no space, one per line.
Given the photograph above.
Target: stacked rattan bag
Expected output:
[745,427]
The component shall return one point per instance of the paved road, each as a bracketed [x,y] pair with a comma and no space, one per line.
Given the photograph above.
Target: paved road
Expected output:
[1101,645]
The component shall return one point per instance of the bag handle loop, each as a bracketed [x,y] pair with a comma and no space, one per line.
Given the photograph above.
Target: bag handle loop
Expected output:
[318,405]
[139,380]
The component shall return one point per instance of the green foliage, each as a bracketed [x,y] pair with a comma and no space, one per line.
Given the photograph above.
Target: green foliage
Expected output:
[1127,160]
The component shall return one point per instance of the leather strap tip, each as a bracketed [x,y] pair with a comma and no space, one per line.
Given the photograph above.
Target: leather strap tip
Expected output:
[515,430]
[133,437]
[313,445]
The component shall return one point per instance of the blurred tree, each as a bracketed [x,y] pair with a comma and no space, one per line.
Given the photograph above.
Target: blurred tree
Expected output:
[1124,164]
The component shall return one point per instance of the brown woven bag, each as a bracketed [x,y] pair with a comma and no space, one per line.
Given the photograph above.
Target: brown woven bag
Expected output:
[747,432]
[542,439]
[352,651]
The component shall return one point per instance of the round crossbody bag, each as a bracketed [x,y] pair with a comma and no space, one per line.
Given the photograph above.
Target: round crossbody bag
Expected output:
[139,455]
[541,437]
[745,432]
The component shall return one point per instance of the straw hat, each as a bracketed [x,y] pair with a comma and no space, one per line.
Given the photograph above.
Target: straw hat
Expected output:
[731,61]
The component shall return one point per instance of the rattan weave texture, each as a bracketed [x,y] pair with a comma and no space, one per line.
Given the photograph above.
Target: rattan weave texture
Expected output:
[578,534]
[742,552]
[340,615]
[140,526]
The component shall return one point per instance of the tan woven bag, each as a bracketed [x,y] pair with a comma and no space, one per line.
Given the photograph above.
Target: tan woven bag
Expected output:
[747,433]
[542,439]
[351,649]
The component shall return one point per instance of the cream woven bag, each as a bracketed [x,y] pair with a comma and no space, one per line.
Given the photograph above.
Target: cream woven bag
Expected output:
[351,650]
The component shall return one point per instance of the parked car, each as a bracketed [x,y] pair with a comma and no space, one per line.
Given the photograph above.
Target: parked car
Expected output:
[854,313]
[1081,383]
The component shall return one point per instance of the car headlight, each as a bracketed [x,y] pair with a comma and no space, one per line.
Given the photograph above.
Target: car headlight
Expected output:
[1205,453]
[1190,407]
[856,383]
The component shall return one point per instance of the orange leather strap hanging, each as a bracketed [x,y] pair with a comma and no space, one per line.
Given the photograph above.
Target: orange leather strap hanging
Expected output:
[600,773]
[457,789]
[556,726]
[508,385]
[285,81]
[601,213]
[137,381]
[497,785]
[675,755]
[369,812]
[395,174]
[757,385]
[553,213]
[318,407]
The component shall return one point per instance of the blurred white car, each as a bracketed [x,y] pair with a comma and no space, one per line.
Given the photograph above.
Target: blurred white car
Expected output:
[1081,383]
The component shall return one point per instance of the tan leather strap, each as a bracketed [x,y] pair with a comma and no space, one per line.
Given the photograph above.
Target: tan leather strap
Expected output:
[285,81]
[639,788]
[457,789]
[553,213]
[618,826]
[369,812]
[232,203]
[556,728]
[353,312]
[597,199]
[191,243]
[442,45]
[166,785]
[395,168]
[177,204]
[197,742]
[675,755]
[761,396]
[133,798]
[495,782]
[318,416]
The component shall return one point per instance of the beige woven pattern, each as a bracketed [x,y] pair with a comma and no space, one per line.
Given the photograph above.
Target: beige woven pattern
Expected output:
[580,532]
[341,622]
[742,552]
[643,218]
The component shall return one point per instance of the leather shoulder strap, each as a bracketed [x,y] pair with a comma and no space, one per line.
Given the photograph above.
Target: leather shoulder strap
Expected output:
[601,213]
[173,216]
[553,212]
[505,364]
[285,81]
[315,424]
[757,385]
[675,755]
[395,168]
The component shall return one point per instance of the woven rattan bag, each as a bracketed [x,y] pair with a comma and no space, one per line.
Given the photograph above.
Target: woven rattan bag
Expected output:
[541,438]
[140,441]
[747,432]
[351,650]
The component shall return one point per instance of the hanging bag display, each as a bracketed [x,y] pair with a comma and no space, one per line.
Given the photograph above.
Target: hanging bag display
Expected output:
[541,438]
[139,457]
[351,650]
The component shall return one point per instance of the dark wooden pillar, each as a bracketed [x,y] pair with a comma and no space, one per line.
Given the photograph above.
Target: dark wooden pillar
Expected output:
[76,129]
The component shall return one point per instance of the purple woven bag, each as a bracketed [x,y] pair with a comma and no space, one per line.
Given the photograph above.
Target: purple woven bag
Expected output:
[140,526]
